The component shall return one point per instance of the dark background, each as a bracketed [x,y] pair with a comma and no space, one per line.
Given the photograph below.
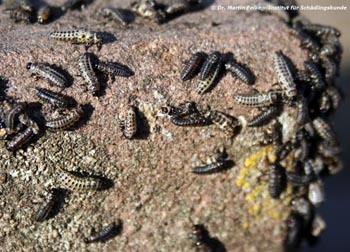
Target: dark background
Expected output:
[336,209]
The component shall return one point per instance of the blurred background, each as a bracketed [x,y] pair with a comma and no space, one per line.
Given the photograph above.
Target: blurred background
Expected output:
[336,210]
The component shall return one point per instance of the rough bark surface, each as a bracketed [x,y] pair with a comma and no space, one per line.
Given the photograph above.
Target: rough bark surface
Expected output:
[154,192]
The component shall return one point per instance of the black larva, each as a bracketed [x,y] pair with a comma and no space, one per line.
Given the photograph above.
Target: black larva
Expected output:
[315,75]
[86,65]
[265,117]
[12,116]
[211,79]
[240,72]
[114,68]
[215,163]
[190,120]
[324,130]
[210,65]
[107,232]
[52,98]
[260,99]
[47,72]
[284,73]
[277,180]
[193,66]
[20,139]
[46,207]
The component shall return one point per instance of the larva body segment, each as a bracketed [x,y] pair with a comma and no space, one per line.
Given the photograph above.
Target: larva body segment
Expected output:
[73,182]
[315,75]
[324,130]
[191,120]
[105,233]
[277,181]
[193,66]
[265,117]
[210,80]
[86,65]
[226,123]
[129,125]
[20,139]
[12,116]
[47,72]
[66,120]
[240,72]
[321,30]
[87,38]
[210,65]
[115,69]
[284,73]
[302,111]
[46,207]
[53,98]
[260,99]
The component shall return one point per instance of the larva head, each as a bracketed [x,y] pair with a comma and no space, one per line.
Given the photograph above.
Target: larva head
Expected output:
[165,110]
[86,240]
[29,65]
[215,56]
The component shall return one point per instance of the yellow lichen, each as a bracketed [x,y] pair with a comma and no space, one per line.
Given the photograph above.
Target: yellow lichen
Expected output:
[253,180]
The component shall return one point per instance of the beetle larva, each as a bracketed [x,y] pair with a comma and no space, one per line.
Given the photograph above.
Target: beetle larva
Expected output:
[277,180]
[210,80]
[47,72]
[210,65]
[302,110]
[193,66]
[20,139]
[321,30]
[215,163]
[200,239]
[183,109]
[114,68]
[116,14]
[325,103]
[66,120]
[324,130]
[265,117]
[79,37]
[334,95]
[51,97]
[260,99]
[303,151]
[191,120]
[315,75]
[86,65]
[19,15]
[105,233]
[294,231]
[284,73]
[316,193]
[240,72]
[46,207]
[327,150]
[44,14]
[226,123]
[330,68]
[129,125]
[75,182]
[12,115]
[300,180]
